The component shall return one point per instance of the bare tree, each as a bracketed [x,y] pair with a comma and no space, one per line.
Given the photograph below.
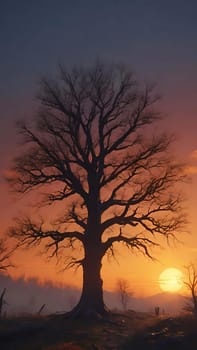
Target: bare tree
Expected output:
[90,147]
[191,284]
[124,292]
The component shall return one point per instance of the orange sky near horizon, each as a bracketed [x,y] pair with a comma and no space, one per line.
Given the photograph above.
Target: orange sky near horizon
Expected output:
[141,273]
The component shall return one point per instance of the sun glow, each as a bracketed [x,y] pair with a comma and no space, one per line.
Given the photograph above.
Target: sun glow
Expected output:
[171,280]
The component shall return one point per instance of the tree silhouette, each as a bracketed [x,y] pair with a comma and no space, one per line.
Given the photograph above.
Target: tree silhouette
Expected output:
[191,284]
[124,292]
[91,147]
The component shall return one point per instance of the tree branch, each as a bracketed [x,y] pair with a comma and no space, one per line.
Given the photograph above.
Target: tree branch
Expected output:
[29,232]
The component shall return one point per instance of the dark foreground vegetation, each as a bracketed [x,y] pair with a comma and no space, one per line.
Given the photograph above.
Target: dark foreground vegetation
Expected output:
[167,333]
[122,332]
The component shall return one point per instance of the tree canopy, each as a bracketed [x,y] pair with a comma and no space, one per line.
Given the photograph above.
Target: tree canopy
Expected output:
[93,148]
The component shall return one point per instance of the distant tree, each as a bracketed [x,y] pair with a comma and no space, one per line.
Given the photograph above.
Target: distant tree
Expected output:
[4,265]
[191,284]
[157,310]
[91,147]
[124,292]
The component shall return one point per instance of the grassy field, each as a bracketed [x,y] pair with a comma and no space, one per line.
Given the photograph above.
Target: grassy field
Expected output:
[119,332]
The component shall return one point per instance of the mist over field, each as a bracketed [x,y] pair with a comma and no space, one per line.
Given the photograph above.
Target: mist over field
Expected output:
[28,296]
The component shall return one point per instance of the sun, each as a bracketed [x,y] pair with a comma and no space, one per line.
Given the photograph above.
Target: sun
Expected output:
[171,280]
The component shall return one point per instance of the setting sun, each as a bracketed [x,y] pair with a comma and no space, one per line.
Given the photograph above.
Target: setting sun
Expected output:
[171,280]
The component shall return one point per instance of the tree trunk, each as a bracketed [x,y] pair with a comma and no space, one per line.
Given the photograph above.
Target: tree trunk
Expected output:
[91,303]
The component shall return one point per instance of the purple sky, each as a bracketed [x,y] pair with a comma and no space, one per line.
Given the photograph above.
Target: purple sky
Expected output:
[156,38]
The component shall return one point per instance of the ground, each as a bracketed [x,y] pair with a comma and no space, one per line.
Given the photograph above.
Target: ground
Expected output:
[120,332]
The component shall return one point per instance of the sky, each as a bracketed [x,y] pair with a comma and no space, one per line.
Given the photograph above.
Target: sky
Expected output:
[154,38]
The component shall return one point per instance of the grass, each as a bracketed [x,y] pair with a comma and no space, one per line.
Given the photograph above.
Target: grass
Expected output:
[120,332]
[178,333]
[57,332]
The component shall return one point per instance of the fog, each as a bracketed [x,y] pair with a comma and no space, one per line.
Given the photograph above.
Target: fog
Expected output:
[28,296]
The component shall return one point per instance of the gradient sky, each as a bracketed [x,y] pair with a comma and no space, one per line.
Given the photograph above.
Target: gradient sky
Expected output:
[157,39]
